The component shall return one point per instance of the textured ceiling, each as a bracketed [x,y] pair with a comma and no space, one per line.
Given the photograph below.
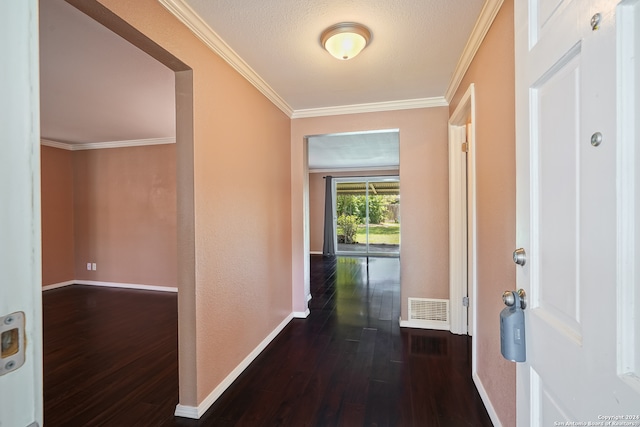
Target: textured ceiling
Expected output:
[413,54]
[355,150]
[97,87]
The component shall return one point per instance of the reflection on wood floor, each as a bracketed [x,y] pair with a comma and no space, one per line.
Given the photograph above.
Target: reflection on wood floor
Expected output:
[110,356]
[347,364]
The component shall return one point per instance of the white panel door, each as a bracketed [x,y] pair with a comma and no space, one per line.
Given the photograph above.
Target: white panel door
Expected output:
[20,259]
[569,217]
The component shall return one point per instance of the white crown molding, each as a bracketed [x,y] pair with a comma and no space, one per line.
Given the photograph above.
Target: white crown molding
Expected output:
[106,144]
[358,169]
[487,15]
[121,144]
[185,14]
[373,107]
[56,144]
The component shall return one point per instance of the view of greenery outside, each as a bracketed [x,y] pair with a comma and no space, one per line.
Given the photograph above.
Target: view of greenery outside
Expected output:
[384,227]
[379,234]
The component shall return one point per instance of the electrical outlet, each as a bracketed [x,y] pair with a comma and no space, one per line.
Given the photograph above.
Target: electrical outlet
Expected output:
[93,266]
[89,266]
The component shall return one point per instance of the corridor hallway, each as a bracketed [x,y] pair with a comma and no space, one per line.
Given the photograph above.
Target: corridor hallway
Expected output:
[350,364]
[111,360]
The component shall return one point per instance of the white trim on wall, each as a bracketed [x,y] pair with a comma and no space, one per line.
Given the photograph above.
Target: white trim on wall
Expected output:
[487,15]
[106,144]
[406,104]
[424,324]
[56,144]
[196,412]
[302,314]
[127,286]
[487,402]
[185,14]
[58,285]
[458,271]
[111,285]
[392,168]
[462,216]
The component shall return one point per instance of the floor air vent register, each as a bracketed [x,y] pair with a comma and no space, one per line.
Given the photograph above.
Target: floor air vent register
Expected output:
[429,313]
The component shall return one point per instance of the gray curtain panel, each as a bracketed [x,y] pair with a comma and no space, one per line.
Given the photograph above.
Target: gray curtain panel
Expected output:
[328,248]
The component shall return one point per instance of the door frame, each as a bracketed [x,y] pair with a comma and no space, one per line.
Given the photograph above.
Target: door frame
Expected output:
[628,109]
[462,218]
[187,367]
[20,225]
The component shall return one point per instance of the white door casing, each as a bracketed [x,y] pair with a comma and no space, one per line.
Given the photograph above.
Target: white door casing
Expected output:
[567,215]
[462,271]
[20,237]
[628,195]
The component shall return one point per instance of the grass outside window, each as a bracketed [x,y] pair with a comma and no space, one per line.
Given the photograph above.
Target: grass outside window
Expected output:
[387,233]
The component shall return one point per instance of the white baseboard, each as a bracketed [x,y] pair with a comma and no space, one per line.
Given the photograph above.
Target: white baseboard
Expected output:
[127,286]
[425,324]
[112,285]
[196,412]
[485,399]
[309,297]
[315,252]
[58,285]
[301,314]
[187,412]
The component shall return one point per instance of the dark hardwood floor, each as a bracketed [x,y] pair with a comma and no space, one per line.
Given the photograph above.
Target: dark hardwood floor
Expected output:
[111,359]
[110,356]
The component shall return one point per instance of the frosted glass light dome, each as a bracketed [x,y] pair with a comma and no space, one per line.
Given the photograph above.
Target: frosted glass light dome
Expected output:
[345,40]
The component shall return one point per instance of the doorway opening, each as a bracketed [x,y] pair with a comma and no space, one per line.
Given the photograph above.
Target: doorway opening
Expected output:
[462,217]
[364,167]
[182,162]
[367,215]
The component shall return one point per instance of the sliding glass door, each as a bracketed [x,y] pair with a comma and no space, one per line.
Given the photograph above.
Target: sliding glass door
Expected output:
[367,215]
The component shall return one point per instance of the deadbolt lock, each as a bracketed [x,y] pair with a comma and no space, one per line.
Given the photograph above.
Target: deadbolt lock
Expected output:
[12,342]
[520,256]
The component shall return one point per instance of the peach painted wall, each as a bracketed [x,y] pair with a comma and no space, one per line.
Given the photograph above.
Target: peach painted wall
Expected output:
[58,263]
[493,73]
[316,202]
[241,205]
[424,253]
[125,214]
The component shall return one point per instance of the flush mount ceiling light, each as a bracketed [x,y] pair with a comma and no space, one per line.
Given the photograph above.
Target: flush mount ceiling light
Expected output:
[345,40]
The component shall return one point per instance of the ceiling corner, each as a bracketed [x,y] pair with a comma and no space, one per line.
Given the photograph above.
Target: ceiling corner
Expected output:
[487,15]
[374,107]
[56,144]
[185,14]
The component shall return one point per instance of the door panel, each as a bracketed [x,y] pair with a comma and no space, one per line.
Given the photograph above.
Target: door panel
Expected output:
[555,140]
[568,213]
